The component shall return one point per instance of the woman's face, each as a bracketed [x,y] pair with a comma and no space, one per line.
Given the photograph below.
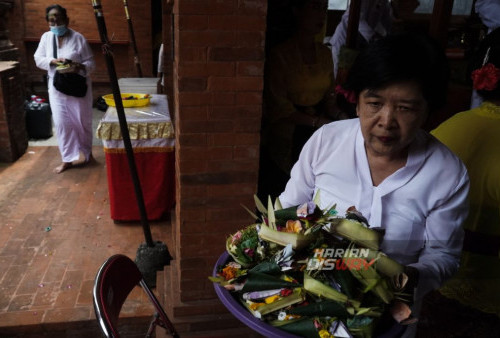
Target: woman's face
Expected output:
[390,118]
[56,18]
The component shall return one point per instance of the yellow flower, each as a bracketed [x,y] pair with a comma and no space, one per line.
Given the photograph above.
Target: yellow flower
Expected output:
[255,306]
[325,334]
[271,299]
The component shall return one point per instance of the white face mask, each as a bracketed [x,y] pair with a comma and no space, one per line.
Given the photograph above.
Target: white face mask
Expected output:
[59,30]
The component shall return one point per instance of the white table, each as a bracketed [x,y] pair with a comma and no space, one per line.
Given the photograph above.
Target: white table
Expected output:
[152,137]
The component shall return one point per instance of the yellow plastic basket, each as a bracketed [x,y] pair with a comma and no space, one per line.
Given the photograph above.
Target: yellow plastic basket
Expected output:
[129,100]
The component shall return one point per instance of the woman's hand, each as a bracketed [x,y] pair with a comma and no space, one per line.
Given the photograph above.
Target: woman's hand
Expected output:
[57,62]
[68,66]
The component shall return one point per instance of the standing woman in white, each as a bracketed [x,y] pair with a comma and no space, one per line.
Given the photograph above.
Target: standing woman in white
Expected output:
[72,115]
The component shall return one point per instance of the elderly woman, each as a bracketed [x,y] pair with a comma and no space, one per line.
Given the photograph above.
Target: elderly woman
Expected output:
[399,177]
[72,115]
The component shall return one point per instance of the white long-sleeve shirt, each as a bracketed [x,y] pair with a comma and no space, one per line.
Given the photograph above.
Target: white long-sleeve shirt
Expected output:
[421,206]
[75,48]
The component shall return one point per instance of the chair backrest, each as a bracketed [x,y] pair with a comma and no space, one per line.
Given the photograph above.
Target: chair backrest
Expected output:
[116,278]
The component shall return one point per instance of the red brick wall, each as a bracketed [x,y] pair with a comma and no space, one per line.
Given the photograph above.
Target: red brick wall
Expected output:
[27,23]
[218,69]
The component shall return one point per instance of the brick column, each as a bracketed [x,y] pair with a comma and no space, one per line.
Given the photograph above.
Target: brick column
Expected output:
[13,137]
[218,83]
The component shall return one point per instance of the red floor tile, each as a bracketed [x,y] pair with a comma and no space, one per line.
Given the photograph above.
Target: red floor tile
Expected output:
[55,232]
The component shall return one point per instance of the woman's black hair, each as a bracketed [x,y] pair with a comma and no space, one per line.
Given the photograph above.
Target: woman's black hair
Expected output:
[60,8]
[488,51]
[399,58]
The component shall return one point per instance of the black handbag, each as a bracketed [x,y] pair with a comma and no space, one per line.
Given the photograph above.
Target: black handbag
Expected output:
[72,84]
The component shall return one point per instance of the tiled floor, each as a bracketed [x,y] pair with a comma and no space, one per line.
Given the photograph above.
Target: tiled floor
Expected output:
[55,232]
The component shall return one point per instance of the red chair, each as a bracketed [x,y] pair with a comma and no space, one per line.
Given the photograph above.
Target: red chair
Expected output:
[116,278]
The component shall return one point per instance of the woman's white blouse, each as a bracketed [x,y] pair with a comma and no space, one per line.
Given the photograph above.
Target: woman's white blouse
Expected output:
[421,206]
[75,48]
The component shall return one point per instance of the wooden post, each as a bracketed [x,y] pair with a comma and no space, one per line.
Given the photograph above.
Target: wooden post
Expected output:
[132,38]
[353,23]
[440,20]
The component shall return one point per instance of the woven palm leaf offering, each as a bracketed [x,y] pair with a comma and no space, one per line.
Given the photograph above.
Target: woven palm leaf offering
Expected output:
[243,245]
[297,225]
[313,273]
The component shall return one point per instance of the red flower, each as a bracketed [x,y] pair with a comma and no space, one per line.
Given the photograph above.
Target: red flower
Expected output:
[249,252]
[286,292]
[349,95]
[486,77]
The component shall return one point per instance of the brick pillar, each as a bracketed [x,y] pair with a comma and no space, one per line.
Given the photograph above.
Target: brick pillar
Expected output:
[13,137]
[217,100]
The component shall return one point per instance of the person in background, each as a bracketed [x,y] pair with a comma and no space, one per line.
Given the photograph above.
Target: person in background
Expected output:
[375,21]
[386,166]
[474,136]
[72,115]
[489,13]
[299,94]
[161,80]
